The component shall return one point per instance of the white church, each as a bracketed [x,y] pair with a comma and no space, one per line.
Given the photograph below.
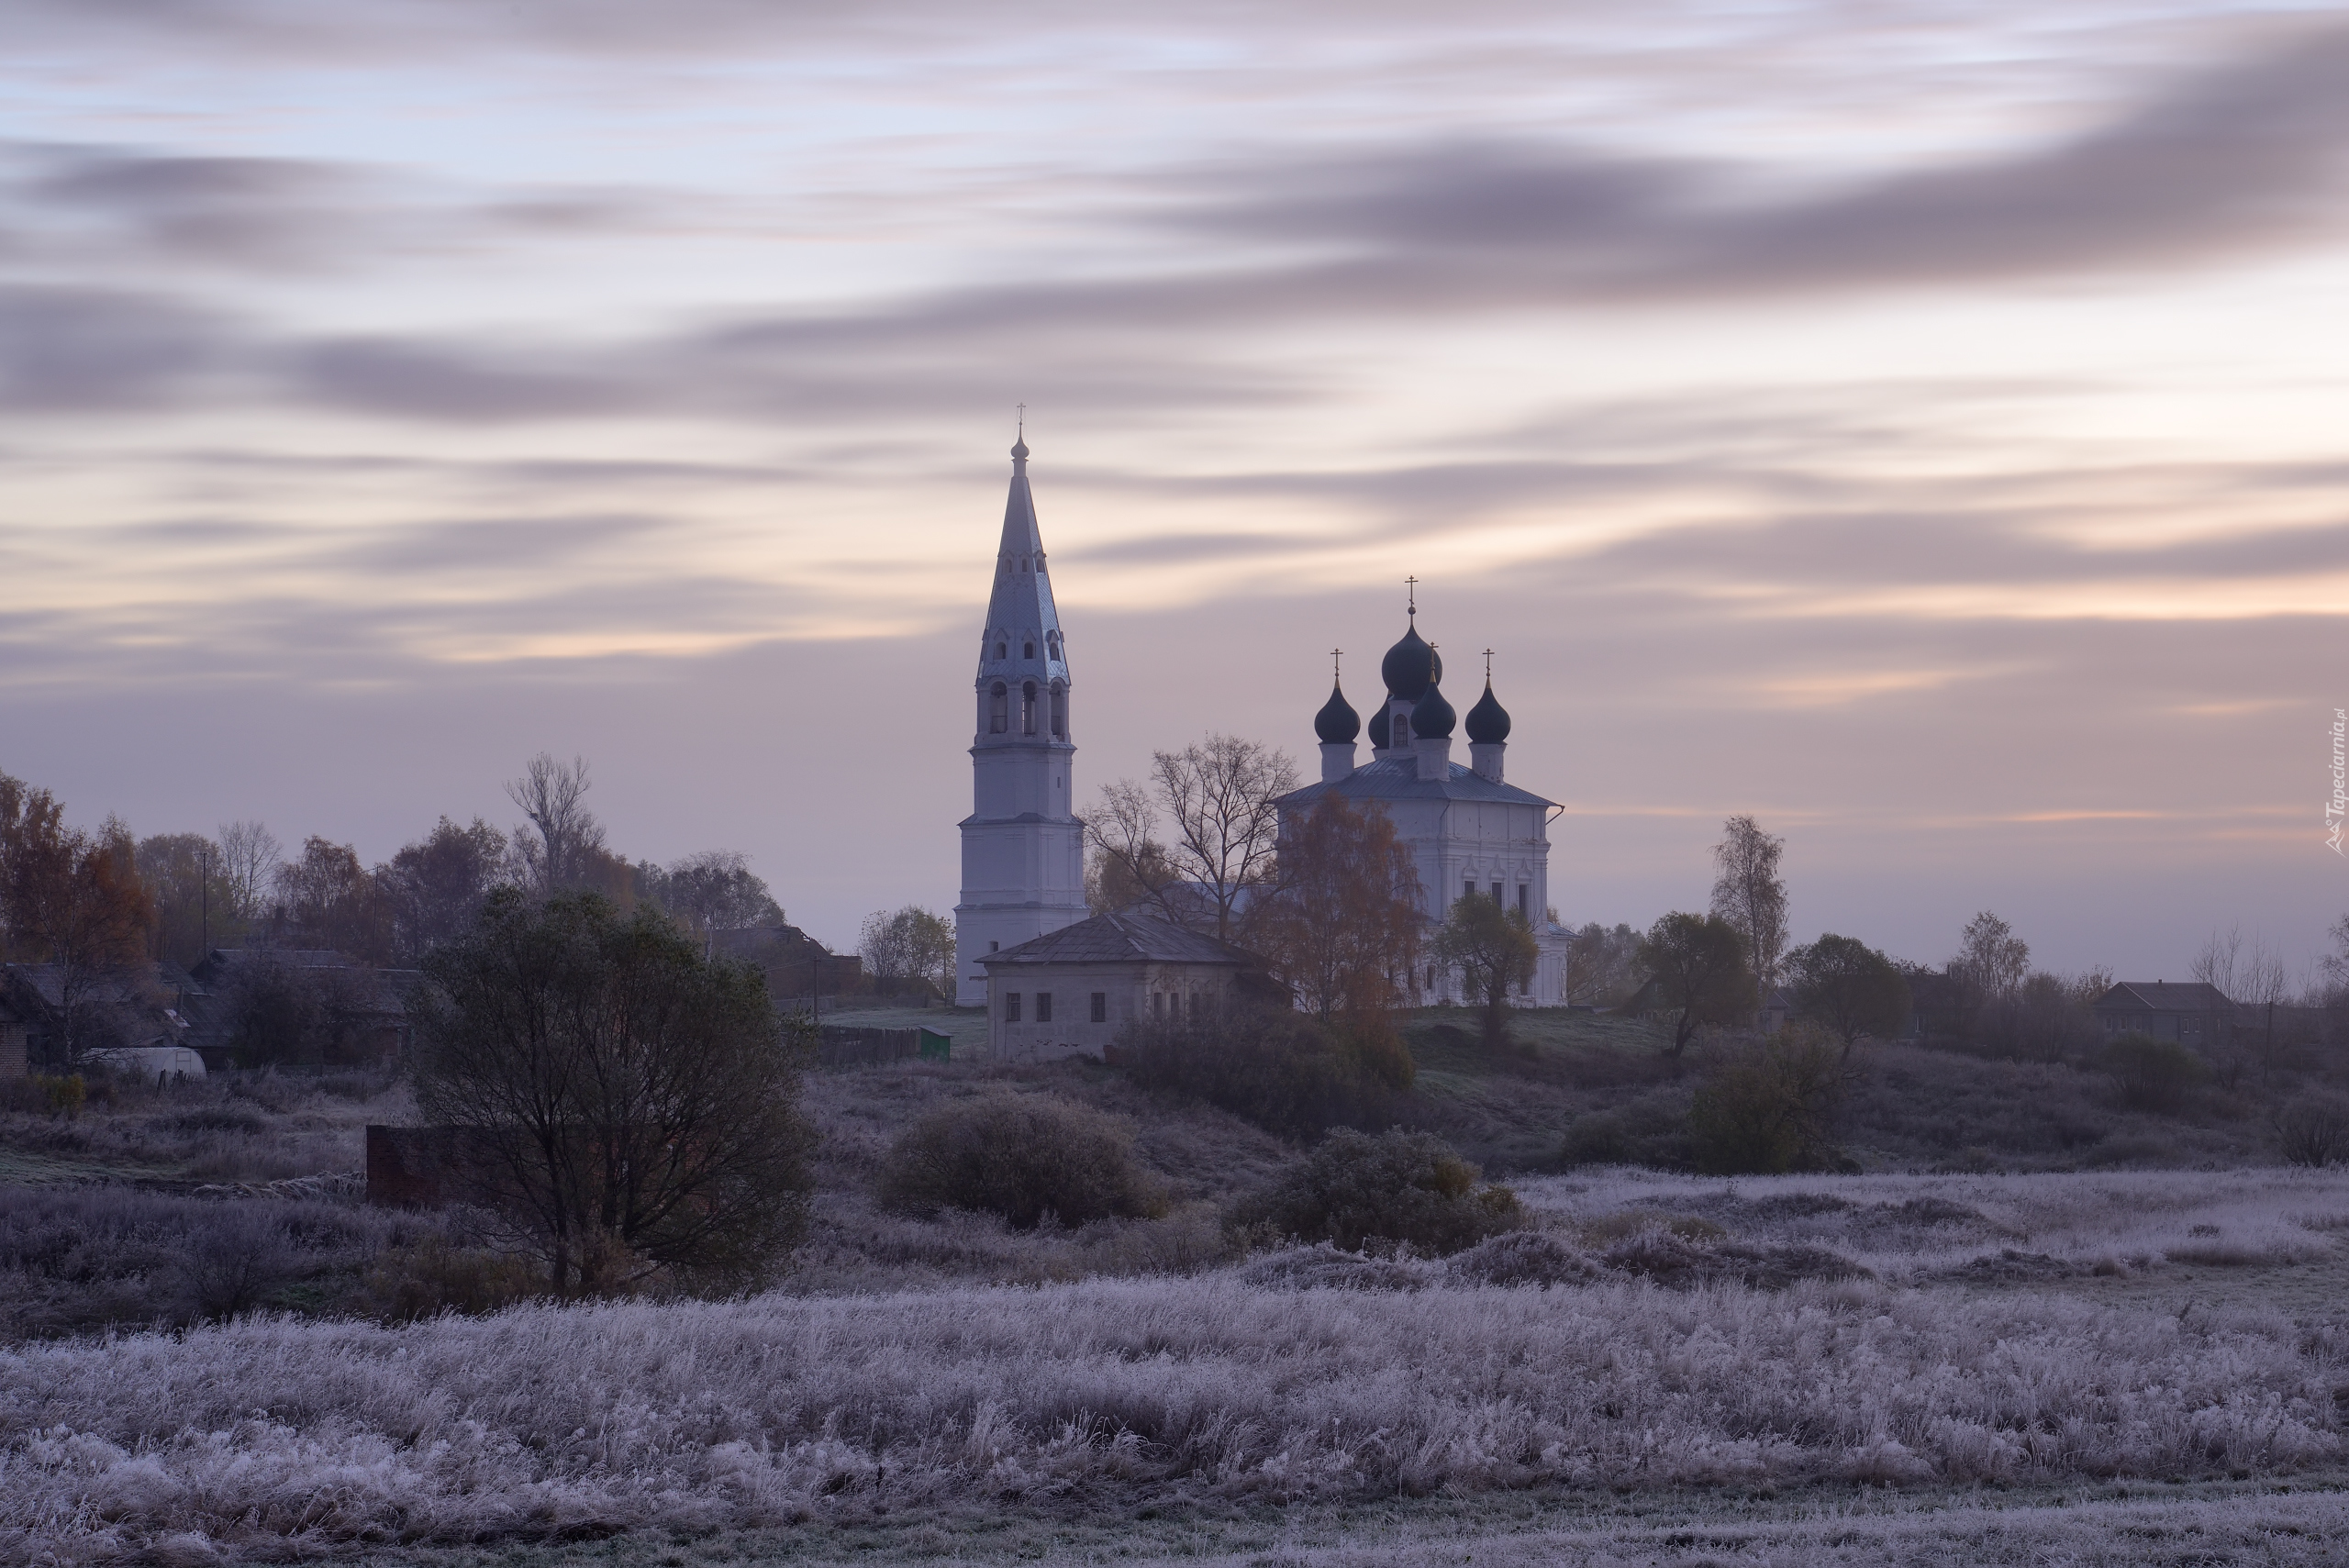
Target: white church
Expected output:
[1023,845]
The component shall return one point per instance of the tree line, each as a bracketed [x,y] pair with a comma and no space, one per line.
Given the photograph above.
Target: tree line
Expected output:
[95,903]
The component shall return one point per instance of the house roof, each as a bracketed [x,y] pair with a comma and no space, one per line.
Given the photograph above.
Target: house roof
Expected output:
[1127,937]
[1398,778]
[2165,996]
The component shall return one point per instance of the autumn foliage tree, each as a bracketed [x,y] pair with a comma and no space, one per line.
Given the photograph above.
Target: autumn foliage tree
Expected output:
[1340,925]
[69,899]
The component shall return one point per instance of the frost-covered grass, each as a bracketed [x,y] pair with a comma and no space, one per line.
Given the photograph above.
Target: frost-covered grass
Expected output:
[1910,1228]
[546,1419]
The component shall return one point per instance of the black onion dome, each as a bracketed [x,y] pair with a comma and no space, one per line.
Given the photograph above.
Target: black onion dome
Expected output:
[1433,718]
[1378,726]
[1489,720]
[1337,723]
[1410,666]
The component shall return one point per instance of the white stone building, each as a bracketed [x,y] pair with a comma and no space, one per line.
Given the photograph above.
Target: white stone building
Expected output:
[1023,848]
[1073,992]
[1469,830]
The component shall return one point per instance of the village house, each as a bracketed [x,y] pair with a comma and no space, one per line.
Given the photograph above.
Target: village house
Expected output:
[1074,991]
[2187,1012]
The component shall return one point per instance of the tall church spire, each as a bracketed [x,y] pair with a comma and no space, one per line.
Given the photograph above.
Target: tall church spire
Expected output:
[1023,848]
[1023,631]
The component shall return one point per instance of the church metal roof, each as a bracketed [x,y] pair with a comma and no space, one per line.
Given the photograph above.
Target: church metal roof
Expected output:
[1127,937]
[1398,778]
[1020,612]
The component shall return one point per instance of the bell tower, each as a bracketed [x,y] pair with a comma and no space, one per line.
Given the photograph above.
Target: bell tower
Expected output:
[1023,848]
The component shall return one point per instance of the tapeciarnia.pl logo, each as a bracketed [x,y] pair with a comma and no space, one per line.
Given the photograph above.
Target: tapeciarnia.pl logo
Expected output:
[2334,809]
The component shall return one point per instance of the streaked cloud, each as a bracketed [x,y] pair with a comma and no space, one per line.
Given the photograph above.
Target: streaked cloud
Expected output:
[1914,422]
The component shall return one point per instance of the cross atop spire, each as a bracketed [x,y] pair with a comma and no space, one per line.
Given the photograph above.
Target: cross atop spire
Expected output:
[1412,583]
[1489,666]
[1019,444]
[1333,661]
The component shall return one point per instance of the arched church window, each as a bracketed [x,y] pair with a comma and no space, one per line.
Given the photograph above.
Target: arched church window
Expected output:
[1027,650]
[1060,711]
[1028,708]
[998,710]
[1003,650]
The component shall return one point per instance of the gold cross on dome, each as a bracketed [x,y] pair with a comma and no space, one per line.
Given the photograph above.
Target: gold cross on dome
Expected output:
[1333,661]
[1413,584]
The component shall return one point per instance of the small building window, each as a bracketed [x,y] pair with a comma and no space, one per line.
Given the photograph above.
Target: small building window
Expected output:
[1525,899]
[1158,1004]
[1011,1007]
[998,710]
[1468,887]
[1043,1006]
[1028,708]
[1100,1006]
[1027,650]
[1194,1006]
[1497,894]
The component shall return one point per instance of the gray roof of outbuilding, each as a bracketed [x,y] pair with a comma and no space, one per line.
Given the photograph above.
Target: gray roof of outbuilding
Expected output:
[2165,996]
[1398,778]
[1127,937]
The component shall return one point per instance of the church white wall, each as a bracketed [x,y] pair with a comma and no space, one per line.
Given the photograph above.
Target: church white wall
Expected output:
[1455,842]
[1131,992]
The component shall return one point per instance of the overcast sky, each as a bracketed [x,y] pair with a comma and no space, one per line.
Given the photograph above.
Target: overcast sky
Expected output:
[1920,424]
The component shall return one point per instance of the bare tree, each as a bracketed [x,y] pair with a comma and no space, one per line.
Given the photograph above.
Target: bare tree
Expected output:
[249,856]
[1750,895]
[1220,793]
[1991,958]
[1129,866]
[2248,973]
[570,841]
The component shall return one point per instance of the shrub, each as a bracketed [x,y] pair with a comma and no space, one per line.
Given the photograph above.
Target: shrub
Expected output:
[2314,1131]
[1398,1188]
[243,1262]
[1522,1258]
[434,1277]
[1023,1157]
[65,1096]
[1652,1129]
[1681,1262]
[1280,1070]
[1764,1110]
[1323,1267]
[2152,1074]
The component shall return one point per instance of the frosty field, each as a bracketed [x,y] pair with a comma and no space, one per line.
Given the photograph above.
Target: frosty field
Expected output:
[2124,1342]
